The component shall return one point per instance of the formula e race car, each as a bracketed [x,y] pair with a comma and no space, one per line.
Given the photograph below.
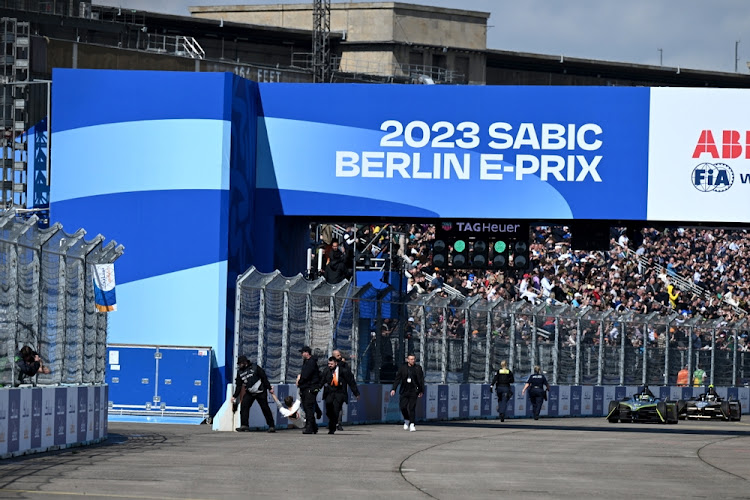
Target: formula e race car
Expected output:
[709,407]
[643,408]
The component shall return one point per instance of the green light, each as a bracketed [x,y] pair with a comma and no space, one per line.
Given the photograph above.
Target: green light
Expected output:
[500,246]
[459,245]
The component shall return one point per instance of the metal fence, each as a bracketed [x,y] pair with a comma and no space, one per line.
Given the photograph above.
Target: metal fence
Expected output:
[464,340]
[47,300]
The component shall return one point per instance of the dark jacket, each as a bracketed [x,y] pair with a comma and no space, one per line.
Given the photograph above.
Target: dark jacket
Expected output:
[26,368]
[502,377]
[309,377]
[346,379]
[253,378]
[417,379]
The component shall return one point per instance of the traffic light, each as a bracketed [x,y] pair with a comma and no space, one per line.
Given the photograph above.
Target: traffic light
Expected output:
[521,254]
[440,253]
[479,254]
[499,255]
[460,255]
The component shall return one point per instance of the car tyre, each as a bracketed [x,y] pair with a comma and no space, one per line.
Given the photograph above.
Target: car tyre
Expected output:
[661,407]
[613,414]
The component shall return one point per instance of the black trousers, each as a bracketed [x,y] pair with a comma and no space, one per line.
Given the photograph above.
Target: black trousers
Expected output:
[247,402]
[309,404]
[537,400]
[504,393]
[334,402]
[408,406]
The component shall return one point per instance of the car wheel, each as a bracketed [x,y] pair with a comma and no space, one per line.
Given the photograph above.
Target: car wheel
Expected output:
[613,414]
[672,414]
[681,409]
[726,410]
[735,410]
[661,408]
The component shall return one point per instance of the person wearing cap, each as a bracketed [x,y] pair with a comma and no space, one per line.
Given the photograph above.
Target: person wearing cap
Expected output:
[251,385]
[308,382]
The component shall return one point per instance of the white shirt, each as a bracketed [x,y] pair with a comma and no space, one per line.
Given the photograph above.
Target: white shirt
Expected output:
[294,414]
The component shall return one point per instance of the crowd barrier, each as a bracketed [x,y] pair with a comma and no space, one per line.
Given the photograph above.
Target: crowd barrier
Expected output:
[470,401]
[35,419]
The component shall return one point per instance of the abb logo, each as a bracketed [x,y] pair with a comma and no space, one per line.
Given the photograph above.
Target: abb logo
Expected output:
[729,147]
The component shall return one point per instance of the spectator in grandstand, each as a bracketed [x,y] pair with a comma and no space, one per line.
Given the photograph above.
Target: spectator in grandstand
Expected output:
[335,269]
[537,386]
[683,377]
[335,381]
[410,381]
[308,382]
[251,385]
[502,383]
[29,364]
[291,409]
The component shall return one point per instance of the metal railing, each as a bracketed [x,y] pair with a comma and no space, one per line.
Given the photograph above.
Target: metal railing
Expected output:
[460,339]
[177,45]
[47,300]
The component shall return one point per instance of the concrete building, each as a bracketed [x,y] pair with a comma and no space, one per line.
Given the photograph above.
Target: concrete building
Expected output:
[385,38]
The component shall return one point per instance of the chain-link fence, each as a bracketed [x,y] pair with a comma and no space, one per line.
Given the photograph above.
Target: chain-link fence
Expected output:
[47,301]
[464,340]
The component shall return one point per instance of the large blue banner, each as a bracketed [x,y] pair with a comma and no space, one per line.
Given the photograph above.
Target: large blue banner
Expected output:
[365,150]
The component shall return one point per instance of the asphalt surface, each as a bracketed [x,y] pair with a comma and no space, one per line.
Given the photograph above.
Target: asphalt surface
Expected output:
[548,458]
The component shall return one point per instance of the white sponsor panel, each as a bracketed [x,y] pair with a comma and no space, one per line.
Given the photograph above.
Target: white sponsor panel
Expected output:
[631,389]
[475,400]
[675,393]
[90,410]
[4,422]
[564,406]
[71,416]
[699,155]
[722,392]
[744,395]
[453,401]
[520,401]
[24,438]
[48,417]
[587,400]
[431,407]
[609,395]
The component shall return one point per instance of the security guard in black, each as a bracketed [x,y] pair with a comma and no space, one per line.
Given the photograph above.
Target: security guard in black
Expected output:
[537,385]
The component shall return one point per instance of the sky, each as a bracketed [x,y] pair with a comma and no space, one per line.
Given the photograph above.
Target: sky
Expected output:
[695,34]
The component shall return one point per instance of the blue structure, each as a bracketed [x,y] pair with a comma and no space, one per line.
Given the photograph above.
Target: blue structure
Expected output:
[201,175]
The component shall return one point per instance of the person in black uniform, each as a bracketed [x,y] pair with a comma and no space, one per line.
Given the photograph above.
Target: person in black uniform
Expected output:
[251,385]
[537,386]
[308,382]
[501,382]
[411,379]
[336,380]
[341,362]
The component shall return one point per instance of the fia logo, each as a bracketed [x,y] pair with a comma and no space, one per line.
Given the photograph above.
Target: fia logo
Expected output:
[712,177]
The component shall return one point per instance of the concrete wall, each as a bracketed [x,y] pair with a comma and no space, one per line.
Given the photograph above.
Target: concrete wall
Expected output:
[36,419]
[370,22]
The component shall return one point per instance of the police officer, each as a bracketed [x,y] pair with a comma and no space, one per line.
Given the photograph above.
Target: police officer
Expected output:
[308,382]
[501,382]
[537,385]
